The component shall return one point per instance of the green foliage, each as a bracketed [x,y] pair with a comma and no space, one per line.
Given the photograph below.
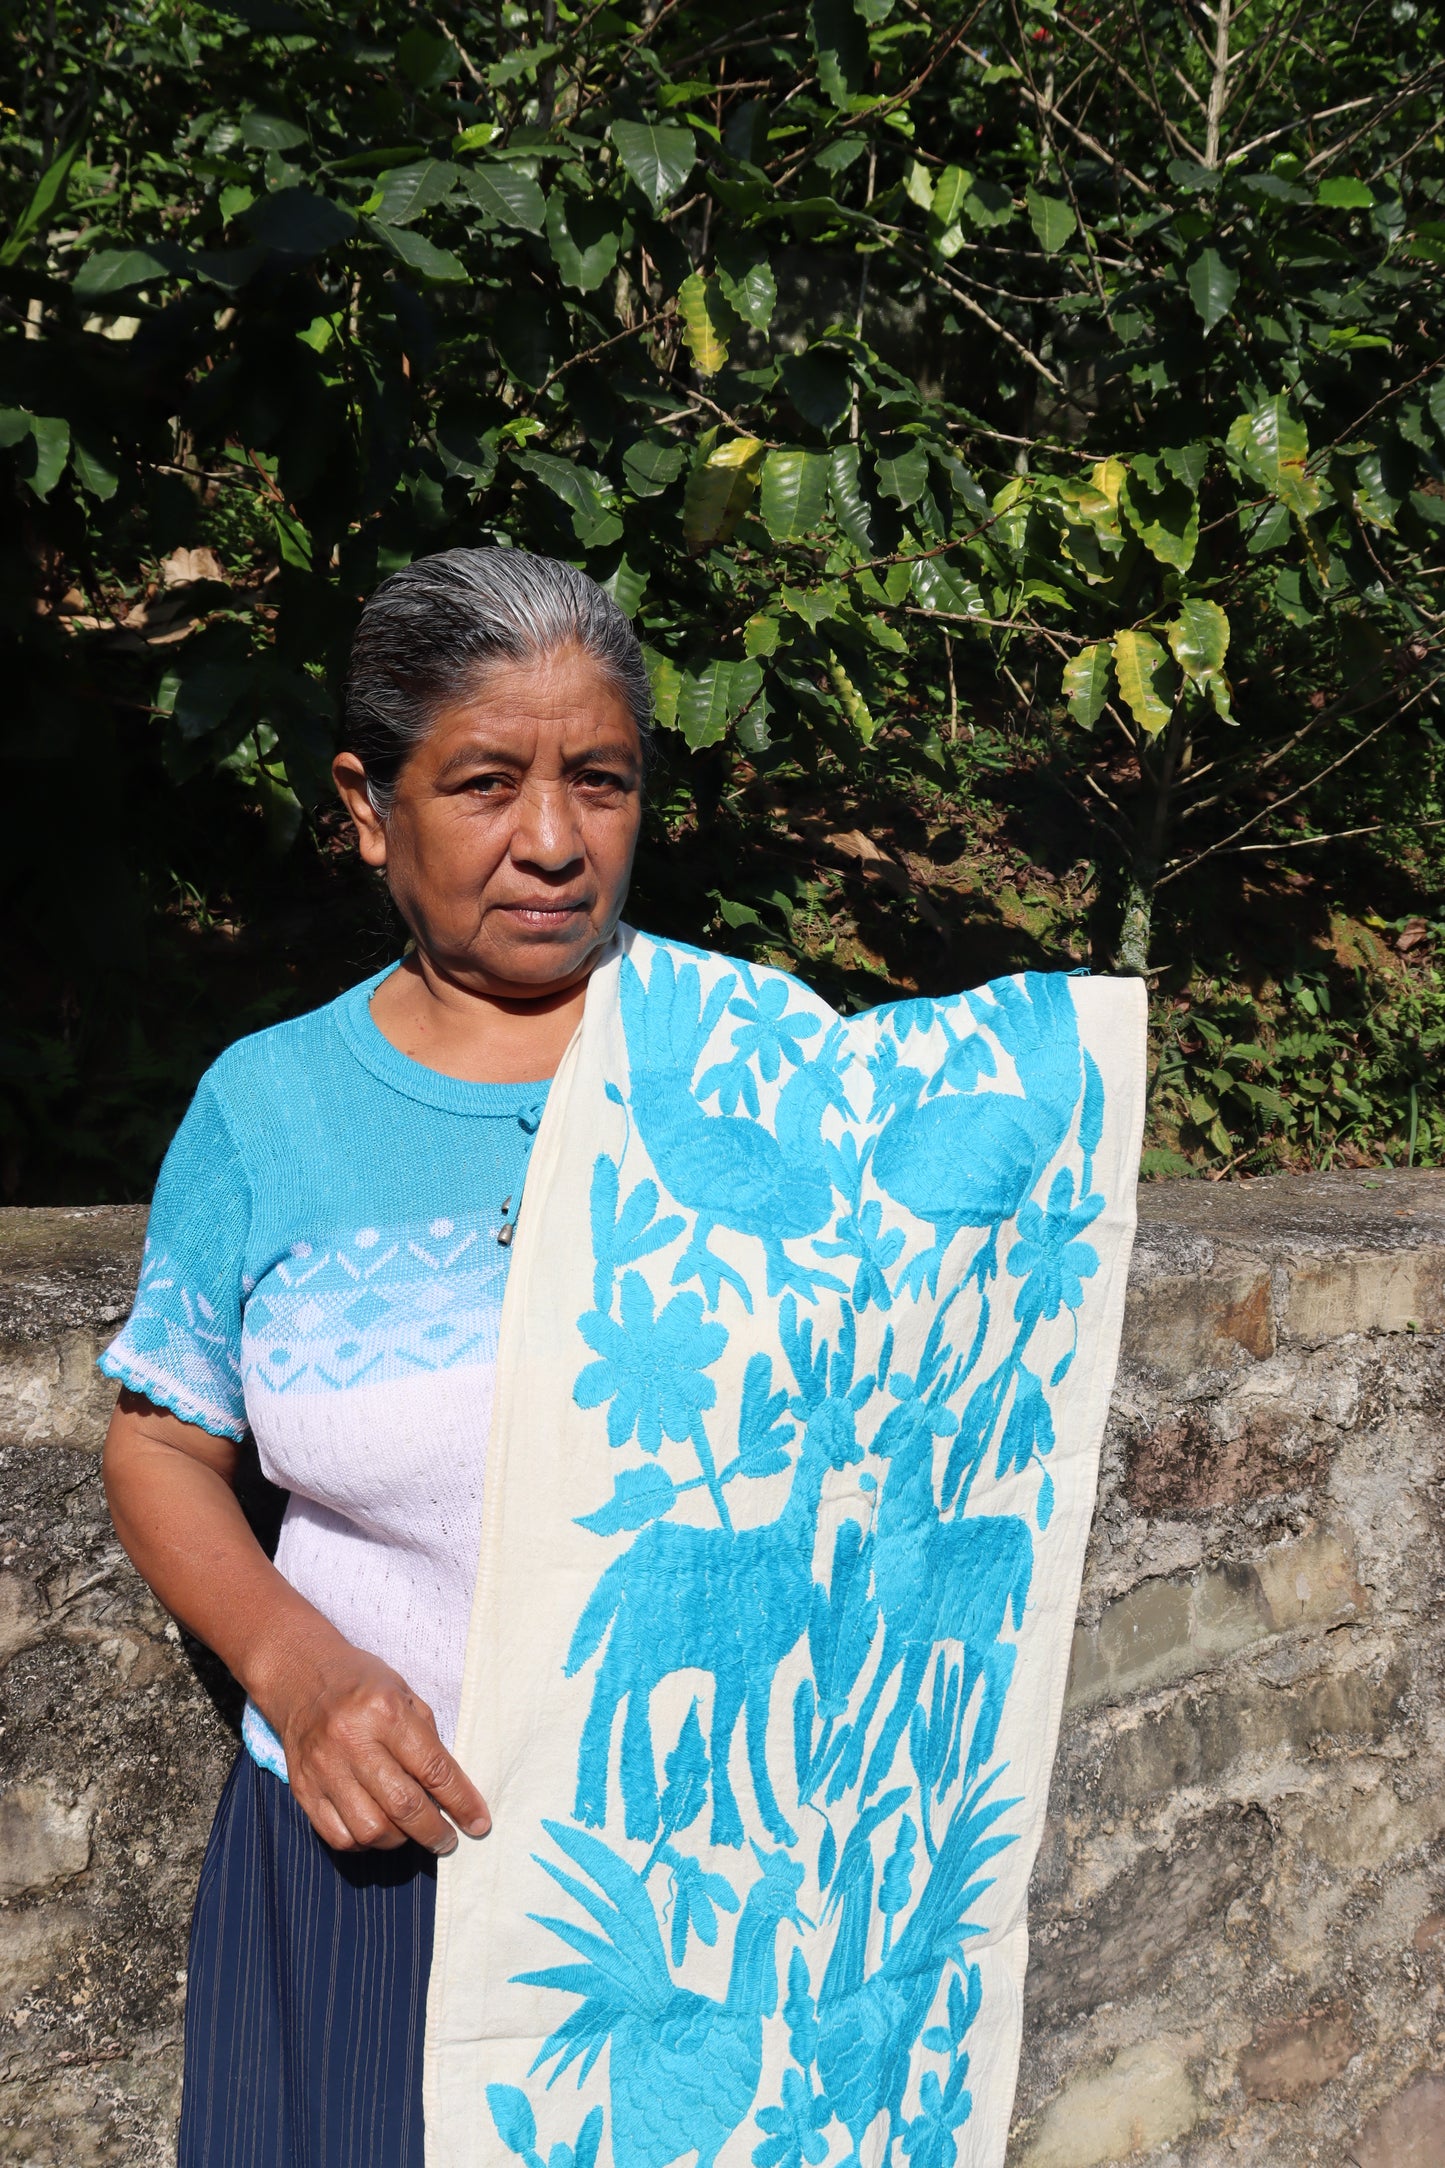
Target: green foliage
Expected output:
[956,392]
[1327,1069]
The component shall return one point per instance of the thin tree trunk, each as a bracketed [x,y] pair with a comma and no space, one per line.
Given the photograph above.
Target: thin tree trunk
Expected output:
[1219,85]
[547,77]
[1131,956]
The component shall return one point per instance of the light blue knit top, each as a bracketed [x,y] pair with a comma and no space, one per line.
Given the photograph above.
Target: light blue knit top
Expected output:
[322,1267]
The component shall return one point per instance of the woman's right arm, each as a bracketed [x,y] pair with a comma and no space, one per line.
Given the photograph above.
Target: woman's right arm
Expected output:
[362,1751]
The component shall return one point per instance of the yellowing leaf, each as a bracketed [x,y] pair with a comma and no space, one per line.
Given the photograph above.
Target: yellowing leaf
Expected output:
[1218,688]
[1272,446]
[760,634]
[1140,663]
[719,492]
[1108,478]
[1163,511]
[701,306]
[795,493]
[666,681]
[1199,638]
[1086,683]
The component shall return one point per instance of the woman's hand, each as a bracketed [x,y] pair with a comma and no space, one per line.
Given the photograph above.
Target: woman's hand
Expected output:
[365,1762]
[362,1751]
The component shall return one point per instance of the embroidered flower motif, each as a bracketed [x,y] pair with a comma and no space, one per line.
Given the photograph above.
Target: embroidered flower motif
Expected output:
[650,1367]
[768,1034]
[911,1016]
[1049,1258]
[795,2130]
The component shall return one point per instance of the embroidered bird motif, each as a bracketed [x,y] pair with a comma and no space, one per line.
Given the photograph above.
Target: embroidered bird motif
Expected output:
[772,1181]
[969,1158]
[683,2069]
[869,2023]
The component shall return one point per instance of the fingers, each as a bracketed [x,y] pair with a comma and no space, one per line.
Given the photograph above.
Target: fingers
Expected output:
[381,1776]
[350,1820]
[374,1806]
[438,1774]
[368,1767]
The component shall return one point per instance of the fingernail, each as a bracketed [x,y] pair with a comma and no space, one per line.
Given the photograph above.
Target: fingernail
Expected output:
[449,1846]
[480,1826]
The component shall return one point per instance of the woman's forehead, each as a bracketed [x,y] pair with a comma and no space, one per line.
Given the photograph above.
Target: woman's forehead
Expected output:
[558,706]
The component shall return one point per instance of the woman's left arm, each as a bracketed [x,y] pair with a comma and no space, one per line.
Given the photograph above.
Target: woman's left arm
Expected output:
[362,1752]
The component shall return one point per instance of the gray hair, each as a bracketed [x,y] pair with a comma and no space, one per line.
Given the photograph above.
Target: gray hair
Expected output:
[432,630]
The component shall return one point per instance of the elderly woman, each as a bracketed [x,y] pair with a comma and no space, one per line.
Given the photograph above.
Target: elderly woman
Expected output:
[796,1392]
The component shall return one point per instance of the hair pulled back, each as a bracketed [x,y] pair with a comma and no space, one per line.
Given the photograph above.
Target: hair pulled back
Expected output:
[430,632]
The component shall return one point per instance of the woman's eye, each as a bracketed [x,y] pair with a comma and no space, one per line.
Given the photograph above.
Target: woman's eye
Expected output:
[489,786]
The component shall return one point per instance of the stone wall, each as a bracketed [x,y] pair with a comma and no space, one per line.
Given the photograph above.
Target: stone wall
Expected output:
[1239,1909]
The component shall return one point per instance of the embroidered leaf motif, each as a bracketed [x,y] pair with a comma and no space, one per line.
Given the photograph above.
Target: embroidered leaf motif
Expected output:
[641,1495]
[687,1769]
[512,2114]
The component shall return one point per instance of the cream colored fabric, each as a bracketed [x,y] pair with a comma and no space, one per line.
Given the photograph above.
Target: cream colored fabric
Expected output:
[804,1366]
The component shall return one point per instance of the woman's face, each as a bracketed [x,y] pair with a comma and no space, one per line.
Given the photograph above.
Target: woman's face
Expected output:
[509,844]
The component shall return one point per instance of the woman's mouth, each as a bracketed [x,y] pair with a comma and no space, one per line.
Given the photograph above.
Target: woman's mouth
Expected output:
[543,917]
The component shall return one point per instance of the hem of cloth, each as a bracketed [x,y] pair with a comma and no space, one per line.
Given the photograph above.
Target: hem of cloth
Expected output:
[163,1392]
[262,1744]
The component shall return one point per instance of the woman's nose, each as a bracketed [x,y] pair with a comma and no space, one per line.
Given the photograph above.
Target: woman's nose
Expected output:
[546,830]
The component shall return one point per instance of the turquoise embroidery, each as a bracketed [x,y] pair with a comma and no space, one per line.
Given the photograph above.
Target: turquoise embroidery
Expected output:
[890,1216]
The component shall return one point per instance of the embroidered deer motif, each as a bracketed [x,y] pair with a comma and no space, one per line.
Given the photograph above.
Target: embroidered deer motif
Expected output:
[730,1602]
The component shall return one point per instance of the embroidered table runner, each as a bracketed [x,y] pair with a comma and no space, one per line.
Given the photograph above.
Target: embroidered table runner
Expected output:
[805,1361]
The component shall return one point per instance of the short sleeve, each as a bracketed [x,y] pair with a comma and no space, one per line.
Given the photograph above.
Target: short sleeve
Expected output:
[181,1346]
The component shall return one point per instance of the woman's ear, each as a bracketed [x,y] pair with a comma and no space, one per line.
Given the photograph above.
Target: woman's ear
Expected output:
[349,776]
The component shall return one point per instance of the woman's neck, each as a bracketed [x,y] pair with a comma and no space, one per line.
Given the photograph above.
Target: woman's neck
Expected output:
[478,1038]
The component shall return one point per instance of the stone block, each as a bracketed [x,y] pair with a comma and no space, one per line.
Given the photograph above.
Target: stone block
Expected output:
[1142,1641]
[44,1841]
[51,1392]
[1309,1582]
[1375,1291]
[1154,1911]
[1371,1825]
[1190,1460]
[1177,1328]
[1229,1609]
[1144,2098]
[1298,2055]
[34,1945]
[1199,1737]
[1167,1629]
[22,1616]
[1407,2132]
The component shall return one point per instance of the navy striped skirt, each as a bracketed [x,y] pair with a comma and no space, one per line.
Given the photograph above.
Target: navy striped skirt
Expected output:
[305,1993]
